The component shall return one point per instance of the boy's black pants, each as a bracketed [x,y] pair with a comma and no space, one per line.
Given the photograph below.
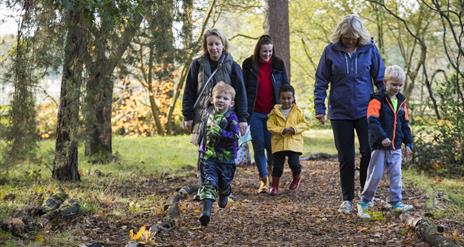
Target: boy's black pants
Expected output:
[343,131]
[293,161]
[217,178]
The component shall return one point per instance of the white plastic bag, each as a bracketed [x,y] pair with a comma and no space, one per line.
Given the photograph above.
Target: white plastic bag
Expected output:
[243,153]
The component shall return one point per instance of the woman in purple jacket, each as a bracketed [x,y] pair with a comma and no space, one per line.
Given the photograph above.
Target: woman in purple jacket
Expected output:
[351,64]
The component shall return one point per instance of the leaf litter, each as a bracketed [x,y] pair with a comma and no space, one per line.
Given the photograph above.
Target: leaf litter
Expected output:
[307,217]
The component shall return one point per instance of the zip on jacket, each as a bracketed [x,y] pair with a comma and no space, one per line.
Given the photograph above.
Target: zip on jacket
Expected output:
[351,81]
[386,122]
[277,122]
[278,78]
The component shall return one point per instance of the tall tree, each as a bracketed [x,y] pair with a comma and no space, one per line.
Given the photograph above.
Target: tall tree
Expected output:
[21,135]
[119,22]
[65,164]
[155,60]
[277,26]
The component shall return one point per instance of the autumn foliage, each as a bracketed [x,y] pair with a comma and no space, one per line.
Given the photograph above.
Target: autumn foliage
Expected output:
[132,115]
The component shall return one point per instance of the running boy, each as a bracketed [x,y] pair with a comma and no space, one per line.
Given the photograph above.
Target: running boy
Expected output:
[286,123]
[388,129]
[219,148]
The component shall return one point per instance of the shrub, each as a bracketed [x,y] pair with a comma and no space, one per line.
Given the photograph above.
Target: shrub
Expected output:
[439,145]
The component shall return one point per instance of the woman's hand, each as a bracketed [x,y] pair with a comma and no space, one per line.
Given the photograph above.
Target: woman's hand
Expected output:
[188,125]
[321,118]
[243,127]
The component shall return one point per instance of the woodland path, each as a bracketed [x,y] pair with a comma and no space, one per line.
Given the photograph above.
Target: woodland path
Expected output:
[306,218]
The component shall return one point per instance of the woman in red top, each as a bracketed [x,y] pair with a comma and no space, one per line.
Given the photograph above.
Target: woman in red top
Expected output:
[263,74]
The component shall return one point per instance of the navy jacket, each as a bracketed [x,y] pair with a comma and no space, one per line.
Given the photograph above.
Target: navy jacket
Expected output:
[385,122]
[350,79]
[250,76]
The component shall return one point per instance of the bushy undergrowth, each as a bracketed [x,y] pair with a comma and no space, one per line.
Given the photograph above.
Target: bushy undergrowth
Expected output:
[439,144]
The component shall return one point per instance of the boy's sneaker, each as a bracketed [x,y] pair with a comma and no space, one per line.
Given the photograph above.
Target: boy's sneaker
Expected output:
[363,210]
[371,204]
[346,207]
[399,207]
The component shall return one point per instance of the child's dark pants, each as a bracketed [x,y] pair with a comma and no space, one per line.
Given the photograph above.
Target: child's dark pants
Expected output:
[217,178]
[293,161]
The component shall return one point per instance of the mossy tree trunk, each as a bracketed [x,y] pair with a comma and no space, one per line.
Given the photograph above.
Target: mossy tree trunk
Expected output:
[101,58]
[65,164]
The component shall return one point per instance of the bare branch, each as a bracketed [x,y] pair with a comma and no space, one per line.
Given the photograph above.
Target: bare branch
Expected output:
[44,91]
[244,36]
[305,47]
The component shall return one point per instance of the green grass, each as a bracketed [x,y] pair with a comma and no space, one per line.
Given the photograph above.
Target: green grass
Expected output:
[452,191]
[319,141]
[148,157]
[139,158]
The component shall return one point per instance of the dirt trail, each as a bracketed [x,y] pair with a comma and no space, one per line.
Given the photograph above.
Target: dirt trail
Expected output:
[306,218]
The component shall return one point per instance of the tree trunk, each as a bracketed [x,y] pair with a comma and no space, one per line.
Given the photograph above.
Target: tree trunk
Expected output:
[163,39]
[155,111]
[277,27]
[65,164]
[379,18]
[99,91]
[187,41]
[21,134]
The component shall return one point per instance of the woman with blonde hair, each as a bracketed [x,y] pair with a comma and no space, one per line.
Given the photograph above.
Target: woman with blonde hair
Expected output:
[351,64]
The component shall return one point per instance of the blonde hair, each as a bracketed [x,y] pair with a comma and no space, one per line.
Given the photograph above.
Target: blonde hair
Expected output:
[352,26]
[219,34]
[222,87]
[394,73]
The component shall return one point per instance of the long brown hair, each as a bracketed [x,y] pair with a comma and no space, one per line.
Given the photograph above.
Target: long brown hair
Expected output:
[263,40]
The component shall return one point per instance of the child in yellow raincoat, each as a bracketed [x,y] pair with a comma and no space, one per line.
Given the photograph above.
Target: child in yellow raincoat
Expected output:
[286,123]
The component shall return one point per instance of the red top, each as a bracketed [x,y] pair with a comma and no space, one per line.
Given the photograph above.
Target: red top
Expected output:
[264,98]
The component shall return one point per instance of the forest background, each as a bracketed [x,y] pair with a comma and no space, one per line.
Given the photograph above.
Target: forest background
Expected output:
[78,73]
[135,55]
